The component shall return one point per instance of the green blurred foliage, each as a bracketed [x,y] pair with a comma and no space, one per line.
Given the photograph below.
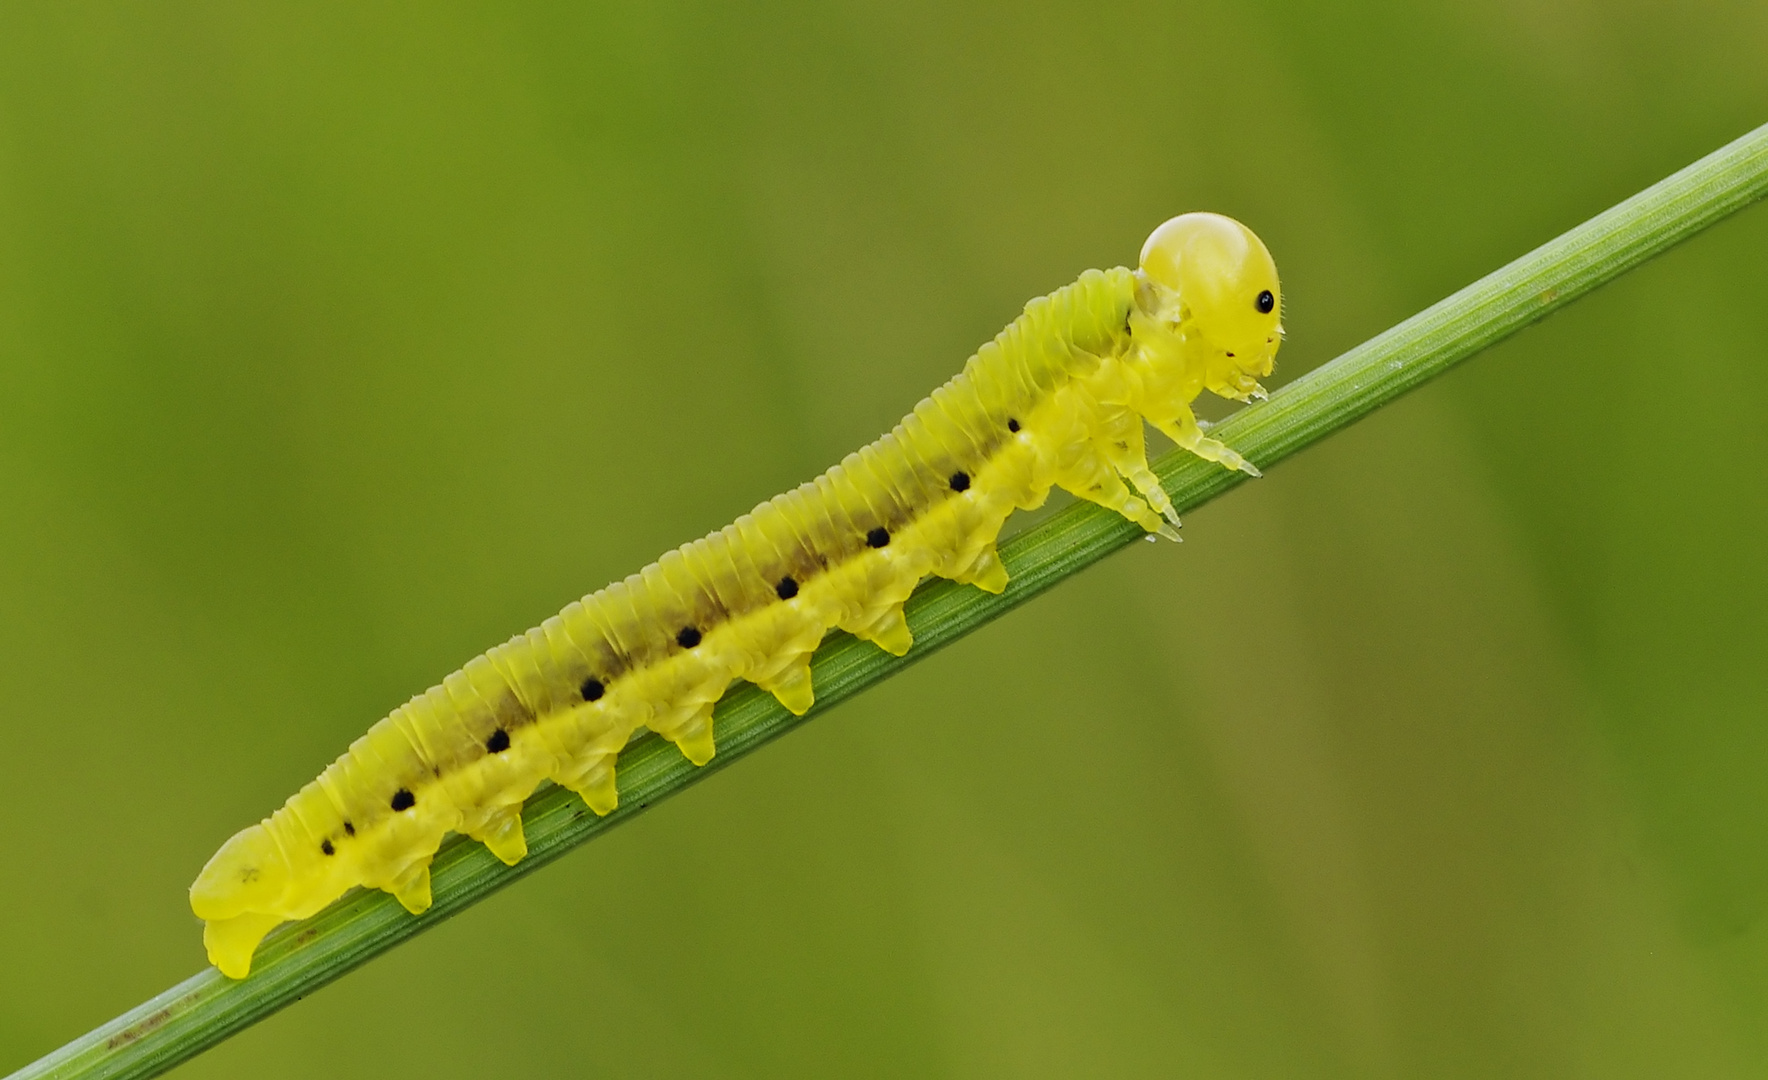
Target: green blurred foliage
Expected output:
[338,342]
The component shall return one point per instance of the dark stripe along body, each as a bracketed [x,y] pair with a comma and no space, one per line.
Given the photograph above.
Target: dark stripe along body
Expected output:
[1058,398]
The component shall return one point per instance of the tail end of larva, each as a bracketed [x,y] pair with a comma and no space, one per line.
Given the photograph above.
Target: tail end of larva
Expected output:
[231,942]
[234,892]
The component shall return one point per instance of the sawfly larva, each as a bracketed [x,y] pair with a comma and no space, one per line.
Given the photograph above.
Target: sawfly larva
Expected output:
[1057,399]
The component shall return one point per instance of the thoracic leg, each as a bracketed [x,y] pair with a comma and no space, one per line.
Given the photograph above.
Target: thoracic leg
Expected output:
[1123,446]
[1093,478]
[1183,430]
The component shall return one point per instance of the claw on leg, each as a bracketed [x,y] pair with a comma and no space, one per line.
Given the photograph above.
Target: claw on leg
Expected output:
[1227,457]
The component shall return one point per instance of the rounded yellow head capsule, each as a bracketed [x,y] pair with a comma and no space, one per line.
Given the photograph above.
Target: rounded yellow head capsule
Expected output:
[1229,301]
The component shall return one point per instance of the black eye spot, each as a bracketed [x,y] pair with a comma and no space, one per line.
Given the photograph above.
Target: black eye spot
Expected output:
[349,829]
[878,537]
[1013,426]
[404,800]
[592,689]
[1266,302]
[326,846]
[786,589]
[498,742]
[960,481]
[688,638]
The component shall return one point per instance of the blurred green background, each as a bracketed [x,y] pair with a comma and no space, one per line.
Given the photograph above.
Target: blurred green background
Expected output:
[338,342]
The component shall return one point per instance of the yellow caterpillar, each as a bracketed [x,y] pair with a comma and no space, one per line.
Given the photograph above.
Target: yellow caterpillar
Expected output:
[1057,399]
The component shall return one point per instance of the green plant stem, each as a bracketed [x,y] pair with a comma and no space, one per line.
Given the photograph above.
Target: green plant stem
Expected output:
[301,958]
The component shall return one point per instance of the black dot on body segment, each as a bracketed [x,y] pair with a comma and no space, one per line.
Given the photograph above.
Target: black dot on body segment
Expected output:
[688,638]
[349,829]
[960,481]
[403,800]
[878,537]
[1013,426]
[498,742]
[592,689]
[326,846]
[786,589]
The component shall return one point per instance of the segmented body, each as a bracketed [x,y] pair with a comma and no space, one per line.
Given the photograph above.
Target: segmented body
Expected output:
[1057,399]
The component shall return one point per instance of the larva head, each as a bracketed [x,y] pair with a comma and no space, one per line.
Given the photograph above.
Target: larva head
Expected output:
[1230,306]
[249,874]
